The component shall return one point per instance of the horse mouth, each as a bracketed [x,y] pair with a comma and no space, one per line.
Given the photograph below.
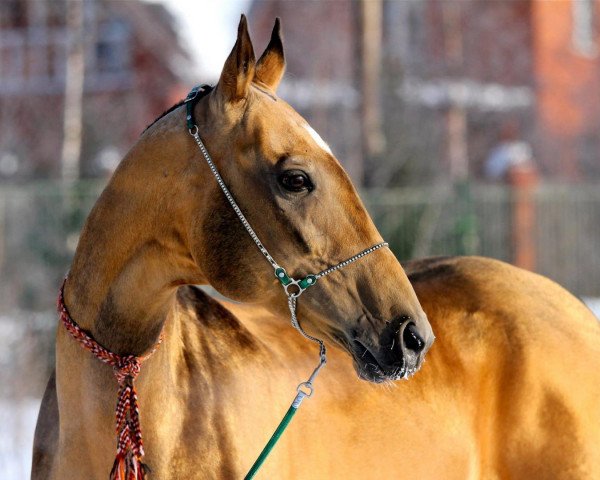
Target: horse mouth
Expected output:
[369,368]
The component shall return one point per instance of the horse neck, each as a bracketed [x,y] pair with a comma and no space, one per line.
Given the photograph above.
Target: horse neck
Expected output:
[132,256]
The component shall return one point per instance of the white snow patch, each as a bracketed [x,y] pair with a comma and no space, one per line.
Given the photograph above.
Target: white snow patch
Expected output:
[17,425]
[317,138]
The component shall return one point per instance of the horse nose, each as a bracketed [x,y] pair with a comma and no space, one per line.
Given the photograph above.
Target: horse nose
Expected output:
[412,340]
[405,341]
[415,337]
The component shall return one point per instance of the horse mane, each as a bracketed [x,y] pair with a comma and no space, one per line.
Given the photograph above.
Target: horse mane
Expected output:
[204,90]
[166,112]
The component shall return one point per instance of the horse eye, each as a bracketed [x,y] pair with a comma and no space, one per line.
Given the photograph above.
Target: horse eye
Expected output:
[295,181]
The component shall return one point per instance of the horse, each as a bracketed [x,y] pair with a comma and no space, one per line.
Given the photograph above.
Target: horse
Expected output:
[509,389]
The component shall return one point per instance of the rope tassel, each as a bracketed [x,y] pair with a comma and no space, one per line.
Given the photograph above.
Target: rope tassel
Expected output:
[128,467]
[130,448]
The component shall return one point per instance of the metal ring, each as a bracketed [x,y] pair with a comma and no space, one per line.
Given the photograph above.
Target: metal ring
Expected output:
[296,283]
[192,132]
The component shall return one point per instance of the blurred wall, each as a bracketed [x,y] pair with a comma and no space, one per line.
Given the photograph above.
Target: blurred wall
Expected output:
[456,80]
[134,69]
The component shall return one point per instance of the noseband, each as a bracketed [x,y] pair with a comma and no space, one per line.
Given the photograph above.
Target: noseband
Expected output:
[293,288]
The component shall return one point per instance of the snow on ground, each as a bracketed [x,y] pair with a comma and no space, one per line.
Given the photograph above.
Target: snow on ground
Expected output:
[17,424]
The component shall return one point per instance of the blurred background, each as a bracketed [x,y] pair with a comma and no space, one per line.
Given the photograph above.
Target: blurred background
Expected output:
[470,127]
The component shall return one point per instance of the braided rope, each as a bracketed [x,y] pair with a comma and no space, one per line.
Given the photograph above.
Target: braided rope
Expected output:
[130,447]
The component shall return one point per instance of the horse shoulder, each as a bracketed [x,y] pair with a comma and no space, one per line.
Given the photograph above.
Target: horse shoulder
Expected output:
[518,349]
[242,368]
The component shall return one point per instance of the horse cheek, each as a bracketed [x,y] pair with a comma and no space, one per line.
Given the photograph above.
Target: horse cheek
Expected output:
[227,254]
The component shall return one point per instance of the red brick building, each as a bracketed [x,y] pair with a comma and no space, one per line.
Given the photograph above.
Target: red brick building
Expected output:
[320,80]
[134,69]
[567,70]
[454,79]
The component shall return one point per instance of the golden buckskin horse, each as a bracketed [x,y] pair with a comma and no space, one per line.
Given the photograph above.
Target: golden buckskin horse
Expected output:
[510,389]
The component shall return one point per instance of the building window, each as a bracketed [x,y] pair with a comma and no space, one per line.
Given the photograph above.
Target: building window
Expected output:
[13,14]
[113,54]
[584,32]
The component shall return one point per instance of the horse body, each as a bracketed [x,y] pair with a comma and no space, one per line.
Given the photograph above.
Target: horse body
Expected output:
[521,402]
[506,392]
[510,407]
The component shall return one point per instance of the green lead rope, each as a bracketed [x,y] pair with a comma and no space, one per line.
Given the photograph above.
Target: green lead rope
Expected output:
[300,286]
[285,421]
[305,389]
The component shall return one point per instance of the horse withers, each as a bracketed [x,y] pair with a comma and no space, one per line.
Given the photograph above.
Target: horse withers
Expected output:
[508,390]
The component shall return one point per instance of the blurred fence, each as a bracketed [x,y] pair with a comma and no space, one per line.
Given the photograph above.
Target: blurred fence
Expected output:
[478,220]
[39,226]
[40,223]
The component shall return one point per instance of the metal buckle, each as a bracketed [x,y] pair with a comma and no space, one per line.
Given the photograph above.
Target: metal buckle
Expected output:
[193,94]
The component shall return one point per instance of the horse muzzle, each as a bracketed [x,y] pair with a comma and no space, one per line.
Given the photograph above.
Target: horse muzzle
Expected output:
[399,354]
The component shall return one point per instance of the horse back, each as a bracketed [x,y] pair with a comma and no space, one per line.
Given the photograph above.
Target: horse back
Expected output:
[525,349]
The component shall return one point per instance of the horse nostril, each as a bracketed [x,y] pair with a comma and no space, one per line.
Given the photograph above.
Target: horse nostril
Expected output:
[412,339]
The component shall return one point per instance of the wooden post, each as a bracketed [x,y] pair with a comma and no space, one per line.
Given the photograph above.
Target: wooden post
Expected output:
[456,118]
[371,37]
[74,84]
[523,179]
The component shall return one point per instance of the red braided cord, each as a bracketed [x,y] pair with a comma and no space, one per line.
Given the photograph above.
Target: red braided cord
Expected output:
[130,448]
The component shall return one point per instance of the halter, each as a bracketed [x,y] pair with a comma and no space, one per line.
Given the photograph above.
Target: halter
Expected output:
[293,288]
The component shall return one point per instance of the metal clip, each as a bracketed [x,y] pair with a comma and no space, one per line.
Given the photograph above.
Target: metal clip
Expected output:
[305,390]
[305,385]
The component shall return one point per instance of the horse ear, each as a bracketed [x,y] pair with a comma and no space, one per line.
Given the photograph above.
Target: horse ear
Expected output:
[271,65]
[239,67]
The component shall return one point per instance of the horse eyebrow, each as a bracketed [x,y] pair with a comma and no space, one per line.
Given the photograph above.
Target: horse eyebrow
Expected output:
[282,159]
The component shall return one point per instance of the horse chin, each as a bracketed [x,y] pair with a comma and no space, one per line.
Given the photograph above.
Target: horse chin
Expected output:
[374,373]
[369,369]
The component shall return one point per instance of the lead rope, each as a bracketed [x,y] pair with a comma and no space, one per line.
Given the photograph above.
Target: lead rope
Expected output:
[293,288]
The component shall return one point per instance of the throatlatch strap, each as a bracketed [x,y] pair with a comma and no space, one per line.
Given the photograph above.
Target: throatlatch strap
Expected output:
[128,463]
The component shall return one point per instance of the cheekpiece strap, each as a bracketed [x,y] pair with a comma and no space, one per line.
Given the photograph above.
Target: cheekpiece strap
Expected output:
[191,100]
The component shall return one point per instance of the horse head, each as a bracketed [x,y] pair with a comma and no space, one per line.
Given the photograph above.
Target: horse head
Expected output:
[302,204]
